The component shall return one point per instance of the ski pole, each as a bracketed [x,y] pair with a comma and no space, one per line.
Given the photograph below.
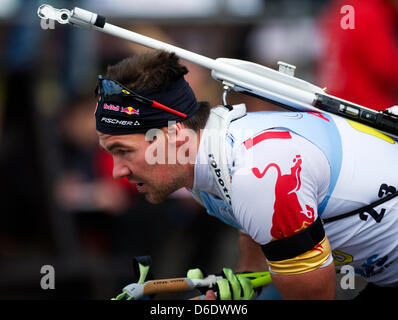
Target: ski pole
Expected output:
[135,291]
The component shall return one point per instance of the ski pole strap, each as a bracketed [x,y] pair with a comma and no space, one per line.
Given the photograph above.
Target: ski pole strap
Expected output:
[296,244]
[258,279]
[363,209]
[141,265]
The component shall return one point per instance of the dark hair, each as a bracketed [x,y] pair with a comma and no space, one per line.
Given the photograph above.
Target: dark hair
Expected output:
[156,70]
[147,71]
[199,119]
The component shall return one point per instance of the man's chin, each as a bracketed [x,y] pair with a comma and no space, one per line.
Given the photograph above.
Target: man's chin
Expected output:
[156,195]
[154,199]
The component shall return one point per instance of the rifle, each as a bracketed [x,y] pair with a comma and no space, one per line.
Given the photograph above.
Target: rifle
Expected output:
[278,87]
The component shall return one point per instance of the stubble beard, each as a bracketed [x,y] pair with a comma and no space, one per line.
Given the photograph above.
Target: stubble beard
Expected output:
[160,192]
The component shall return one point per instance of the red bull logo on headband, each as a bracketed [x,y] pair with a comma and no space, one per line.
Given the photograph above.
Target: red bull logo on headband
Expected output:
[130,111]
[111,107]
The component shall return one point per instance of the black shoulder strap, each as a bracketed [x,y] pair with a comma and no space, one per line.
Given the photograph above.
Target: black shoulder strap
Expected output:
[296,244]
[363,209]
[307,238]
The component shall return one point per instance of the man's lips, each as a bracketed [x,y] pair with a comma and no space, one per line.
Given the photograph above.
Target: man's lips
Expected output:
[138,183]
[140,187]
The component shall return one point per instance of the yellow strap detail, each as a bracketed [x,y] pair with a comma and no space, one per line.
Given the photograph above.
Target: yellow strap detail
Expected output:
[305,262]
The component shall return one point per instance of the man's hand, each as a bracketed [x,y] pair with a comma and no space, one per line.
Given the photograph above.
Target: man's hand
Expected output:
[210,295]
[232,288]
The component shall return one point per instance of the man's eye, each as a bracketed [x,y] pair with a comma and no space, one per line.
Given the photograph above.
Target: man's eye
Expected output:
[122,152]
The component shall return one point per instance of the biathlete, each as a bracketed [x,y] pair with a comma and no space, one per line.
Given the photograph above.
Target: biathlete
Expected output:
[280,178]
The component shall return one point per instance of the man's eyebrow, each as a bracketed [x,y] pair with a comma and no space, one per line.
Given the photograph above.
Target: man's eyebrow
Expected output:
[113,146]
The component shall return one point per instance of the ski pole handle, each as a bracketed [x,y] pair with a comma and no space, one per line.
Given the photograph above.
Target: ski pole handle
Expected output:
[139,290]
[168,285]
[136,290]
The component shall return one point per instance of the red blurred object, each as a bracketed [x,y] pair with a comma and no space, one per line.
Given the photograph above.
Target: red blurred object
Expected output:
[104,164]
[361,64]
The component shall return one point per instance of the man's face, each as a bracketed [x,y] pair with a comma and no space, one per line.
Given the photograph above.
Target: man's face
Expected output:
[155,181]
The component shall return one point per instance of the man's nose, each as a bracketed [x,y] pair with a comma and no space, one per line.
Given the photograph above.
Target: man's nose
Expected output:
[120,170]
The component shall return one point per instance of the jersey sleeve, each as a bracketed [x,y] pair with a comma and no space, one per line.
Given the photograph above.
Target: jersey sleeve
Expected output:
[278,181]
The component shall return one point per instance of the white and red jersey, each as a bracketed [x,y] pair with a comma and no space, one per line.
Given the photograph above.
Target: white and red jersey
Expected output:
[284,176]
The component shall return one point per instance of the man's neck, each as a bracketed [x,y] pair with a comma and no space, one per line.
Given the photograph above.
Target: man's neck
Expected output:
[203,178]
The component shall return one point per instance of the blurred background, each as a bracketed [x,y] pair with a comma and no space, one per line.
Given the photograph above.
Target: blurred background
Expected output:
[59,203]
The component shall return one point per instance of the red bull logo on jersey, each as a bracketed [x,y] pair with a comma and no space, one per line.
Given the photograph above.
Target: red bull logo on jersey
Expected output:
[290,216]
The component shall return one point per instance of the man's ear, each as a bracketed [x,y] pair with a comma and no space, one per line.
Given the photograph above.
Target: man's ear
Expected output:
[173,132]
